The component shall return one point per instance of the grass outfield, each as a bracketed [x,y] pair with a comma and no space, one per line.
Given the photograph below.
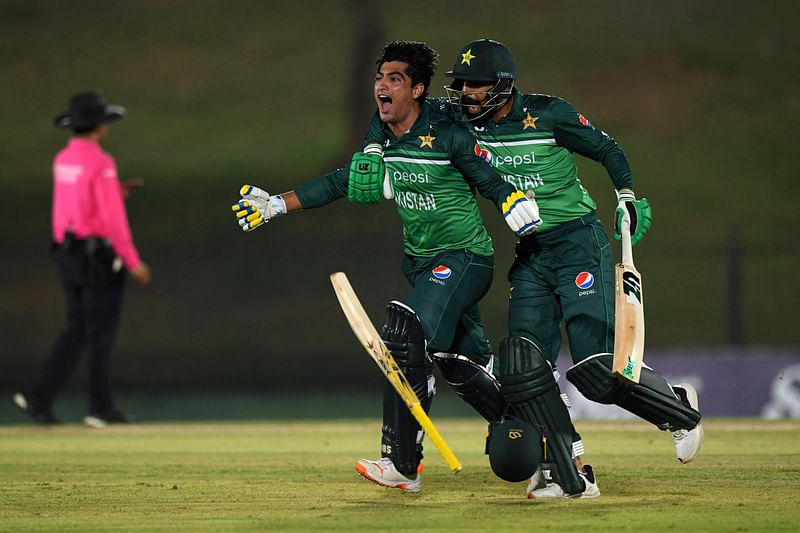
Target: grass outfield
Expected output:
[299,476]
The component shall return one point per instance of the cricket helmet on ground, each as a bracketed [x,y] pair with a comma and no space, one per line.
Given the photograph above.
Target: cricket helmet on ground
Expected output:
[514,449]
[87,110]
[484,60]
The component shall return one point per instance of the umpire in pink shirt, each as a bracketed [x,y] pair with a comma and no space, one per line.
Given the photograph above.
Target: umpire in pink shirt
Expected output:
[94,251]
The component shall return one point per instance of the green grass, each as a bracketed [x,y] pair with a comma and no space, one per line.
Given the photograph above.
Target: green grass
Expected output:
[299,477]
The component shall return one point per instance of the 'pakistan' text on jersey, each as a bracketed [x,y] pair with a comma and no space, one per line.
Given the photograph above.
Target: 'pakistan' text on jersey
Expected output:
[533,148]
[433,170]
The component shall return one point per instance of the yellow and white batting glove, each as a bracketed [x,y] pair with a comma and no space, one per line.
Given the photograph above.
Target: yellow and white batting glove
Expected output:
[521,213]
[257,207]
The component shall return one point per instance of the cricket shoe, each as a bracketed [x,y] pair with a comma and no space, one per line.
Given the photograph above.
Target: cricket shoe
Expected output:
[105,419]
[383,472]
[687,441]
[39,413]
[541,477]
[537,480]
[553,490]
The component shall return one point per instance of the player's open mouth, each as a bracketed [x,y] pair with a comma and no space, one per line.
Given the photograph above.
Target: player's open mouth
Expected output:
[471,105]
[384,103]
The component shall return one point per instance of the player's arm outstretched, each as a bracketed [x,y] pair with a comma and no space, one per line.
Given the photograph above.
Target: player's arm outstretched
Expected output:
[363,181]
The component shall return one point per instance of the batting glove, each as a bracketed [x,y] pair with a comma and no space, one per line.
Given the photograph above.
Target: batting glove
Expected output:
[367,173]
[521,213]
[638,212]
[257,207]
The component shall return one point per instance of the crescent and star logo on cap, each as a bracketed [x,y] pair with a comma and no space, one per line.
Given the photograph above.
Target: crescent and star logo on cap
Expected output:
[467,57]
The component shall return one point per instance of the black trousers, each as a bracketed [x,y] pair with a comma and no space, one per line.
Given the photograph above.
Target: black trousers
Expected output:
[93,294]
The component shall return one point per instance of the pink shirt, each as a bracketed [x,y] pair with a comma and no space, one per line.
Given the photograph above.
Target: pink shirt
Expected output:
[87,198]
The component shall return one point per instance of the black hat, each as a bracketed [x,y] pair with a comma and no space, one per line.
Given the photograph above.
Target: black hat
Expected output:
[87,110]
[514,449]
[484,60]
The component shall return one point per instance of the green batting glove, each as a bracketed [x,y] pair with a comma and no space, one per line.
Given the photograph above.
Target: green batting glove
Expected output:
[638,211]
[367,171]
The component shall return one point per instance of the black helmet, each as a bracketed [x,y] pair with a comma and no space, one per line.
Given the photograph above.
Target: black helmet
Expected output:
[479,63]
[484,60]
[514,449]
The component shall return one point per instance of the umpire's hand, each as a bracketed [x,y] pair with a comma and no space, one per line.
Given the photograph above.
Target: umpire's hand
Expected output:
[141,274]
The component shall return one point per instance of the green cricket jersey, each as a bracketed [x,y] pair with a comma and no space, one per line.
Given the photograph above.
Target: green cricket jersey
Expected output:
[434,171]
[534,147]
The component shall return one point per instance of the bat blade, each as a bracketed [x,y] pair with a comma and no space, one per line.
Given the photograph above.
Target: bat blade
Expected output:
[629,323]
[629,311]
[370,339]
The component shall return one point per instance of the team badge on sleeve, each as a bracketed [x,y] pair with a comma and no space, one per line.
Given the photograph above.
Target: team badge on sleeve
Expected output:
[584,120]
[483,153]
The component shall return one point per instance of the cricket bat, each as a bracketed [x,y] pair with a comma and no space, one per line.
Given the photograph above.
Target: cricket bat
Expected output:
[629,309]
[371,340]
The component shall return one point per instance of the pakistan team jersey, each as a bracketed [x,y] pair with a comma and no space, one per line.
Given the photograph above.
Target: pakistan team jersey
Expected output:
[533,148]
[434,171]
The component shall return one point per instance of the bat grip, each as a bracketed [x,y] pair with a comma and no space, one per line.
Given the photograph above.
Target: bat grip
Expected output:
[627,246]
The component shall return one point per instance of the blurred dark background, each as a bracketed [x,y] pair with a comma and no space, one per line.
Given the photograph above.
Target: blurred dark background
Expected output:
[703,97]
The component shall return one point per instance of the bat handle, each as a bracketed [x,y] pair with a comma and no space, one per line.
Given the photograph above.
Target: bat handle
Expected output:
[627,247]
[436,438]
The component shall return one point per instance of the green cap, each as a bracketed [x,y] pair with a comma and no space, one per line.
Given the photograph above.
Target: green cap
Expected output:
[514,449]
[484,60]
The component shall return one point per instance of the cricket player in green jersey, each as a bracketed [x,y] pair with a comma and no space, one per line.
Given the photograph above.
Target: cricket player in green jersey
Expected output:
[563,273]
[428,165]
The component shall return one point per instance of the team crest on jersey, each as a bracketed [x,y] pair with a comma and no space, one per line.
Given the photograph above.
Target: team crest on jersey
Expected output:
[584,280]
[529,122]
[483,153]
[584,120]
[426,140]
[442,272]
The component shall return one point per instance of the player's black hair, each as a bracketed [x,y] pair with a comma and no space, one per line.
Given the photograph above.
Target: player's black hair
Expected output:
[421,59]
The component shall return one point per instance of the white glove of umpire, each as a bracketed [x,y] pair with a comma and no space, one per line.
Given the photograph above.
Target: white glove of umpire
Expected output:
[521,213]
[257,207]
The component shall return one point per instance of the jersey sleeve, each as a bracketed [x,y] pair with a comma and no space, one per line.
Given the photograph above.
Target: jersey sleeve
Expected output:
[574,132]
[324,189]
[476,171]
[111,209]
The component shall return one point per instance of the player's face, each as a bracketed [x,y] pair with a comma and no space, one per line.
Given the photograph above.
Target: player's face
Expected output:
[394,93]
[475,97]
